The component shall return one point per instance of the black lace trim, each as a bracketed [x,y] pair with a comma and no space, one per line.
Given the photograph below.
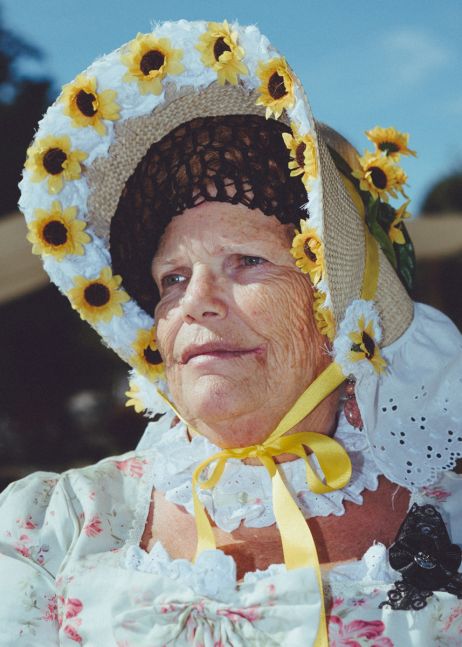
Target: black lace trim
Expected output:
[426,559]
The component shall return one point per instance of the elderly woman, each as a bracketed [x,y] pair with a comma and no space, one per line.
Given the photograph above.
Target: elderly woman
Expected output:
[247,265]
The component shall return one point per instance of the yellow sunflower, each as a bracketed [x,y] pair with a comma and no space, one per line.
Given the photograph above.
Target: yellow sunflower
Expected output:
[390,141]
[149,60]
[98,299]
[220,51]
[396,232]
[51,157]
[364,346]
[277,87]
[303,153]
[147,359]
[87,107]
[57,232]
[308,252]
[380,176]
[134,400]
[323,316]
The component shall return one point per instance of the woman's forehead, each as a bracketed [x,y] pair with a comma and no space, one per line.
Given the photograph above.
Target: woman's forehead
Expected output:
[219,224]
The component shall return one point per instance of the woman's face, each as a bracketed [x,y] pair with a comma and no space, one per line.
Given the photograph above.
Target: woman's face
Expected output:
[234,323]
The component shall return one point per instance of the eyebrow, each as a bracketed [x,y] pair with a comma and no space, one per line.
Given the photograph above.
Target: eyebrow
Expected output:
[229,246]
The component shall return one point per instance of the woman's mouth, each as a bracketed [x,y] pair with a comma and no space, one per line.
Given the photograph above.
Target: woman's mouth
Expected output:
[211,351]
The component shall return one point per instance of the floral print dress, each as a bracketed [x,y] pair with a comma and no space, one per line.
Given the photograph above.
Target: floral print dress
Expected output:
[72,573]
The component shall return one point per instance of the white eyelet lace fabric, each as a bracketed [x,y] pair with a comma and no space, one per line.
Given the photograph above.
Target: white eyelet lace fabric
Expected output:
[213,574]
[412,414]
[244,492]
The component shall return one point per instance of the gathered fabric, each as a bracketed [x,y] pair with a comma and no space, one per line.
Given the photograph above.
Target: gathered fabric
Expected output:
[252,615]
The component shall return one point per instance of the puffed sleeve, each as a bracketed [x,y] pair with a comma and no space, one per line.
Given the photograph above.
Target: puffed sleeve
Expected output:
[37,527]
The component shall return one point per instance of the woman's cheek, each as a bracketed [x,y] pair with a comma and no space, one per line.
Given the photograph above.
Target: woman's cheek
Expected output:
[260,304]
[280,306]
[166,334]
[290,318]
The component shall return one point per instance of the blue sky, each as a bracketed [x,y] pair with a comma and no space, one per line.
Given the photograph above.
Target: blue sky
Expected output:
[362,62]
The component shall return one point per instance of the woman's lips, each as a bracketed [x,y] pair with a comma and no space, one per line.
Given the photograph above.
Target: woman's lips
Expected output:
[220,355]
[196,354]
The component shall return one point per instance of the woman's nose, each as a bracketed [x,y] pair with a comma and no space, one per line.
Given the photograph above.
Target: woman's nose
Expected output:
[203,297]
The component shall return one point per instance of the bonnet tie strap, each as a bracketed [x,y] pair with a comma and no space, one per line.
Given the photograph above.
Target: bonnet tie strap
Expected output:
[297,541]
[371,261]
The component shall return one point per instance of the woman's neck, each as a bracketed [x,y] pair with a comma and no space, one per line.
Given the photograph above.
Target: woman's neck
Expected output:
[254,428]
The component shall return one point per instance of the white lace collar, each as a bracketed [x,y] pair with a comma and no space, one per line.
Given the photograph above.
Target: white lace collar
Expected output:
[213,574]
[243,493]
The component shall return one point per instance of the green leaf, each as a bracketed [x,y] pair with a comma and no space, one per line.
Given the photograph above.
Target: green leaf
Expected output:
[374,214]
[406,262]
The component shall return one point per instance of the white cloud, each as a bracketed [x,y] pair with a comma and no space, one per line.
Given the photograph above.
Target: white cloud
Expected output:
[414,54]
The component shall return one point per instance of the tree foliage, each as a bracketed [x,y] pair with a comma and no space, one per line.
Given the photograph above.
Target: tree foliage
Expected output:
[23,100]
[444,196]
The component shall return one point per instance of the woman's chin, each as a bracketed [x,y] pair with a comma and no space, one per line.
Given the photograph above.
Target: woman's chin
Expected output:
[214,399]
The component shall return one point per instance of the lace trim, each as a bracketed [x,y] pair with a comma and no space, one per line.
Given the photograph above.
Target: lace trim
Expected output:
[372,568]
[214,573]
[243,493]
[412,413]
[425,557]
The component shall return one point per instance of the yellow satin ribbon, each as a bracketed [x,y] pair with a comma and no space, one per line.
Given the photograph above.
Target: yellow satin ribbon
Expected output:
[371,267]
[297,542]
[371,262]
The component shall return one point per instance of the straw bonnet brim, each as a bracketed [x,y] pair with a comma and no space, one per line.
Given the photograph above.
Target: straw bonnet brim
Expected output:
[344,235]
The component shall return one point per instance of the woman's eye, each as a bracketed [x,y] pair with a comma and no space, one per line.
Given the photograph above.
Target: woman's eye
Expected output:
[172,279]
[251,261]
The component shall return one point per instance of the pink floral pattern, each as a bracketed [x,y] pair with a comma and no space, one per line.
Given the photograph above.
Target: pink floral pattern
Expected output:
[72,633]
[26,523]
[133,467]
[451,628]
[357,633]
[198,617]
[436,493]
[251,614]
[22,546]
[68,617]
[51,613]
[93,528]
[26,547]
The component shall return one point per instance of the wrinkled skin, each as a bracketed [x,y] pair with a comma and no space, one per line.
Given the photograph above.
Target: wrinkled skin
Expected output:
[226,277]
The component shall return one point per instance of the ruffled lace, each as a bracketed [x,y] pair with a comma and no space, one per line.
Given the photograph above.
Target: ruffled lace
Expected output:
[372,568]
[214,574]
[244,493]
